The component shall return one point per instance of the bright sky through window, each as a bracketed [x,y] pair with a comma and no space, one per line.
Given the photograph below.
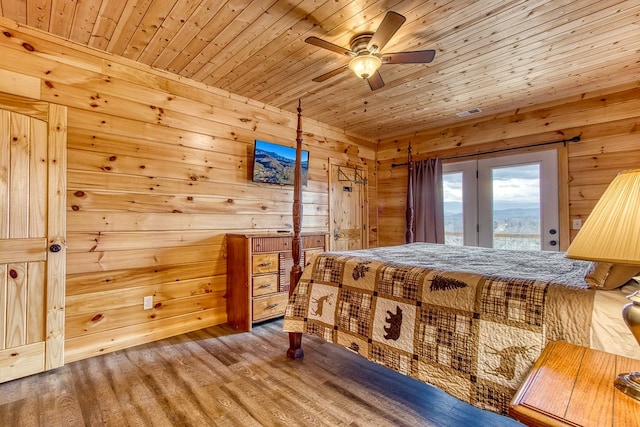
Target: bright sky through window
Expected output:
[513,187]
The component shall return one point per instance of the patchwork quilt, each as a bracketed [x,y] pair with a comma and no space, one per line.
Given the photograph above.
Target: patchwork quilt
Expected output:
[474,335]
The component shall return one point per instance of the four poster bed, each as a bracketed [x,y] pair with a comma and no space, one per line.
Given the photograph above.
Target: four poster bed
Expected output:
[470,321]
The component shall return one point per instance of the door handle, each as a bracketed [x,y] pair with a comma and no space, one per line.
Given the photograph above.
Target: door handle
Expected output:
[336,233]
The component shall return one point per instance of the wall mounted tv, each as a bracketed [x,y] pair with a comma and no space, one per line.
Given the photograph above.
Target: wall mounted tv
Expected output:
[275,164]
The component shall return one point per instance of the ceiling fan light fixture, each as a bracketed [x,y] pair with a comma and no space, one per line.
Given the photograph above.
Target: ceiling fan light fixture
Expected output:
[364,66]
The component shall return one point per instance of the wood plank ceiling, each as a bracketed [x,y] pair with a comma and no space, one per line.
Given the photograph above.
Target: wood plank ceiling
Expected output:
[496,55]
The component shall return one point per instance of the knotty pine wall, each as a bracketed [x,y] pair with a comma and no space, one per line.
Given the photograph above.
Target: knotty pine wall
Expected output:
[608,123]
[159,169]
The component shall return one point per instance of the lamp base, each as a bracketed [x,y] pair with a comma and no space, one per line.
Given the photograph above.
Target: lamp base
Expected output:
[629,384]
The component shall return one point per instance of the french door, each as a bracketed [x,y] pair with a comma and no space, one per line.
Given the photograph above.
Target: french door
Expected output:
[507,202]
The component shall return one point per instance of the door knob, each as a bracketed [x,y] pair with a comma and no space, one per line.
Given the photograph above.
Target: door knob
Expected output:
[55,248]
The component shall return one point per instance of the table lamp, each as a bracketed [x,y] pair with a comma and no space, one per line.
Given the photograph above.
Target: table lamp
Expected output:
[611,234]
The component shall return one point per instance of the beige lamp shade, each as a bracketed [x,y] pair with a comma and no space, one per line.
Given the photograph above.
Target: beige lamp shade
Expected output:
[611,233]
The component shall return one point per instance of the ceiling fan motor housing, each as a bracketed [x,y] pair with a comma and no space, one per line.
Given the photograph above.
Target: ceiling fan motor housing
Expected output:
[360,42]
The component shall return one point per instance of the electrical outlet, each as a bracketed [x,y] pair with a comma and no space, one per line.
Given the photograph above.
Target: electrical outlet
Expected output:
[147,302]
[577,223]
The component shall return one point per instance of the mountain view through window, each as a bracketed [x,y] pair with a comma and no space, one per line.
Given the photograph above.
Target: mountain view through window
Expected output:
[515,207]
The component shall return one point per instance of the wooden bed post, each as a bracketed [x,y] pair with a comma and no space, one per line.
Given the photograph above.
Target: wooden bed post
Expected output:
[409,212]
[295,338]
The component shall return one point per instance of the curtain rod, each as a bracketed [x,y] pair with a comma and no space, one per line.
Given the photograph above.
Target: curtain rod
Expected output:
[564,141]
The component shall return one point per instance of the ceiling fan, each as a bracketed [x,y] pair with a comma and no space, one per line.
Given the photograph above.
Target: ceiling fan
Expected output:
[366,52]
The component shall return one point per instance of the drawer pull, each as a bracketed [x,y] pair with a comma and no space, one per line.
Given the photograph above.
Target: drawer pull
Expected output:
[264,264]
[265,285]
[272,306]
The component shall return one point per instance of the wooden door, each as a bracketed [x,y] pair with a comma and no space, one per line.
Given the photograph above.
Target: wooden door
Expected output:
[32,237]
[348,208]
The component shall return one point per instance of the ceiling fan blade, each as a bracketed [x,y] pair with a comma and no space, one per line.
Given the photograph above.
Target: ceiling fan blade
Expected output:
[329,46]
[388,27]
[415,57]
[330,74]
[375,81]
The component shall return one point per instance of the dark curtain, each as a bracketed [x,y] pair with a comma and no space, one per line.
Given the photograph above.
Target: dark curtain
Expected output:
[425,209]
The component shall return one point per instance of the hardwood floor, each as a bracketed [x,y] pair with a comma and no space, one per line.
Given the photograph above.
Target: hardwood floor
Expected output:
[218,376]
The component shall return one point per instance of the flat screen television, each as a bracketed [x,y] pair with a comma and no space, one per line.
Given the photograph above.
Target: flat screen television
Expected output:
[275,163]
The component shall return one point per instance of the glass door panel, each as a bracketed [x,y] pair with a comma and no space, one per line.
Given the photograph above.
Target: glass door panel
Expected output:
[518,201]
[460,197]
[516,207]
[453,219]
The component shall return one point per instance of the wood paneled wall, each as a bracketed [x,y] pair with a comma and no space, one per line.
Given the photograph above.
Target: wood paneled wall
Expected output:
[608,123]
[159,169]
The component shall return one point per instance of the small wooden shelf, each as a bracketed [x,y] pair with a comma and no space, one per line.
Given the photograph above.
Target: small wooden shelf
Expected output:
[258,274]
[573,386]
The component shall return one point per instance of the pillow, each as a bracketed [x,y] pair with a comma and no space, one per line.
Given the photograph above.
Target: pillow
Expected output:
[605,275]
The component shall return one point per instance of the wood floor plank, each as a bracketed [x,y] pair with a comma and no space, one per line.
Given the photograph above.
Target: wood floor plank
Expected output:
[221,377]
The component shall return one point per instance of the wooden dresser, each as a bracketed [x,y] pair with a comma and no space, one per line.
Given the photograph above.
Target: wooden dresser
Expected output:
[258,269]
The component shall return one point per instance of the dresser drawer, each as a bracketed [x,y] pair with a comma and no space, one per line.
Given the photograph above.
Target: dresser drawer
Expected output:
[313,241]
[271,244]
[266,284]
[270,306]
[264,263]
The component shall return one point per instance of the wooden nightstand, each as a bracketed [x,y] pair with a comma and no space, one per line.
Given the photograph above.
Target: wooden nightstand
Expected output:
[573,386]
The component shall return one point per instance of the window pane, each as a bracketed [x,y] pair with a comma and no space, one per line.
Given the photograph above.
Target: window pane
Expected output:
[453,218]
[516,207]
